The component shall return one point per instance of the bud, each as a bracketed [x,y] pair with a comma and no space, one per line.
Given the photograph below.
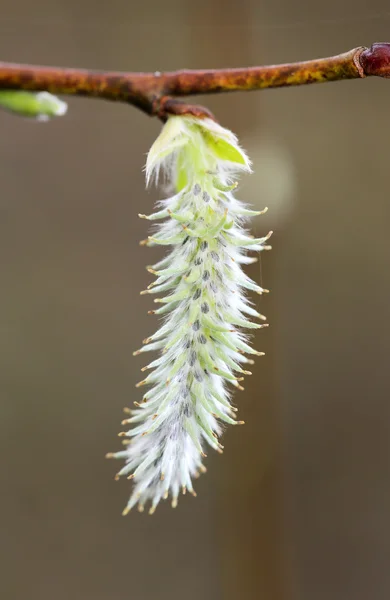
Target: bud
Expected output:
[41,105]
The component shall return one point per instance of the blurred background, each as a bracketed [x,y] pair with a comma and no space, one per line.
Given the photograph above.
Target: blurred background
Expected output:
[298,505]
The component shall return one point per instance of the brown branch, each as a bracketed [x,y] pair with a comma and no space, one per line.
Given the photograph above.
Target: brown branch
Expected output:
[155,93]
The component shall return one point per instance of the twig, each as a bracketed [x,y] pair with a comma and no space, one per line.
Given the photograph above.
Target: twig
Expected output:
[156,93]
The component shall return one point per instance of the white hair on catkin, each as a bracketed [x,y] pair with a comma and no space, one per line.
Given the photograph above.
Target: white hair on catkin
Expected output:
[204,308]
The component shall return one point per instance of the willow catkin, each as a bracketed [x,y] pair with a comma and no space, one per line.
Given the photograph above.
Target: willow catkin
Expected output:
[203,304]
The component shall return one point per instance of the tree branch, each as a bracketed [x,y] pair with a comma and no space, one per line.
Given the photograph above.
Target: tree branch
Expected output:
[156,93]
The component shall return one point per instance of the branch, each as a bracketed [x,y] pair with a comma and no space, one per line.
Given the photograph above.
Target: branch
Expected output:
[156,93]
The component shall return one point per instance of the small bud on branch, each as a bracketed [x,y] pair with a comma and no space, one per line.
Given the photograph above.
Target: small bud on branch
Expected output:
[156,93]
[36,105]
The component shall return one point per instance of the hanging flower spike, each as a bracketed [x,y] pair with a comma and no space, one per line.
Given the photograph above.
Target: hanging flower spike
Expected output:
[201,289]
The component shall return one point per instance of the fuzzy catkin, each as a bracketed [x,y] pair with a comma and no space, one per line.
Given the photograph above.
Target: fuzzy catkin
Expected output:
[201,288]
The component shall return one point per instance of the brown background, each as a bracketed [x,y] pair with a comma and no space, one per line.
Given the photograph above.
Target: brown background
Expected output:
[298,506]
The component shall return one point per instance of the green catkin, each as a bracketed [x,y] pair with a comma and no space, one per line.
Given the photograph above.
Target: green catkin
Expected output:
[204,308]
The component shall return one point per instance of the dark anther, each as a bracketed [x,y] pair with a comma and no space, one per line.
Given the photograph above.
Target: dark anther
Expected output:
[185,240]
[203,245]
[206,197]
[192,358]
[197,189]
[197,294]
[198,261]
[184,391]
[206,276]
[196,325]
[205,307]
[202,339]
[198,376]
[214,256]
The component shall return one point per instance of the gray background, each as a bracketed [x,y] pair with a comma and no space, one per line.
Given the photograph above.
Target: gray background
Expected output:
[298,505]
